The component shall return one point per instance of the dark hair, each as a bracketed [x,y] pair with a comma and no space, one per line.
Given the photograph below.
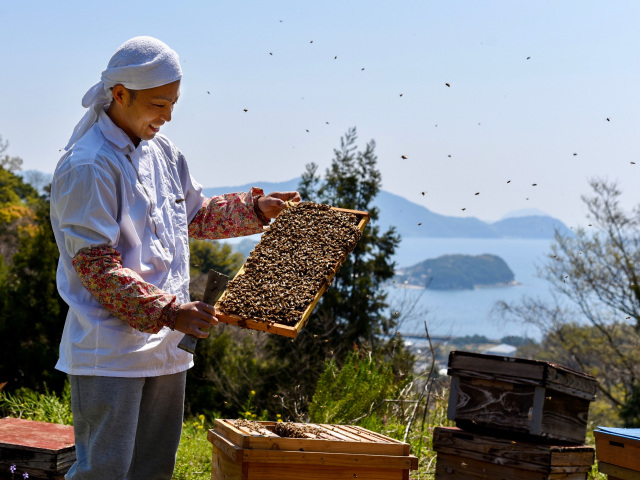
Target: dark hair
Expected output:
[132,95]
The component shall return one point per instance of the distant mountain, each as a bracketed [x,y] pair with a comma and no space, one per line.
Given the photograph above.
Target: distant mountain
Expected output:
[413,220]
[457,272]
[268,187]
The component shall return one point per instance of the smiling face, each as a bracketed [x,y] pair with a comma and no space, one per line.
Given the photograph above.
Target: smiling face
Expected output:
[141,114]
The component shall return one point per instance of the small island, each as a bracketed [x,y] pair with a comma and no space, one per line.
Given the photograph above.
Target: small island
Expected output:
[457,272]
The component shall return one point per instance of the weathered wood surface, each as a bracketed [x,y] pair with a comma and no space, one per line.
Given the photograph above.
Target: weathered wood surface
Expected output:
[523,371]
[616,472]
[519,395]
[463,454]
[478,403]
[617,450]
[564,417]
[337,452]
[534,456]
[44,450]
[451,467]
[281,329]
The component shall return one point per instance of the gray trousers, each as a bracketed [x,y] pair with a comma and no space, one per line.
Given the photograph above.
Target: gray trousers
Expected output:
[126,428]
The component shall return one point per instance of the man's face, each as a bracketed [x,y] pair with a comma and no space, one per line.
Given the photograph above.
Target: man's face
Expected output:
[142,116]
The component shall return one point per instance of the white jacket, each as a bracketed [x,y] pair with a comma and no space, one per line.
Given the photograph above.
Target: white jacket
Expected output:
[141,206]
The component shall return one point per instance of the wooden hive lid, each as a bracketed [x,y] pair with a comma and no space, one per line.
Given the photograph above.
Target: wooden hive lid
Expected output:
[35,436]
[522,371]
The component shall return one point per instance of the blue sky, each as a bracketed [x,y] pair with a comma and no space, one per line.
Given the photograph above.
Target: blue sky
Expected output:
[531,84]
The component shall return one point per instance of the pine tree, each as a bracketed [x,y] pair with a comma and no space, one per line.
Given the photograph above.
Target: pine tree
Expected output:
[353,310]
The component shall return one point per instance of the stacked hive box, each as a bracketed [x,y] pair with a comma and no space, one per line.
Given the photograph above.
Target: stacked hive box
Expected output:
[42,450]
[517,419]
[618,452]
[330,452]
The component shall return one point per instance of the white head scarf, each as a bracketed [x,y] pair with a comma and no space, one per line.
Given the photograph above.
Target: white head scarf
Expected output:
[139,64]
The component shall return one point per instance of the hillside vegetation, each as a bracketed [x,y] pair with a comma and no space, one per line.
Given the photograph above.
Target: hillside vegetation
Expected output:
[457,272]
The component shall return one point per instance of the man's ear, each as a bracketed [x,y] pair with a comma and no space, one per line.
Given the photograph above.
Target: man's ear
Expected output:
[120,94]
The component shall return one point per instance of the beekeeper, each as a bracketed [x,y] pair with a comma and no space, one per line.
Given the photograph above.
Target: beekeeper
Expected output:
[123,206]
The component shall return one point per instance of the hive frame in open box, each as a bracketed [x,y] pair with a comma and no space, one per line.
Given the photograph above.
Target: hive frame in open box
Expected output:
[335,452]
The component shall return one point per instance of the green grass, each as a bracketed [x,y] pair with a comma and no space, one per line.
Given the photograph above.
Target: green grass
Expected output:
[194,452]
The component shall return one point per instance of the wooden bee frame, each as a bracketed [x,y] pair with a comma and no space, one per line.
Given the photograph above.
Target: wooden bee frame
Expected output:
[281,329]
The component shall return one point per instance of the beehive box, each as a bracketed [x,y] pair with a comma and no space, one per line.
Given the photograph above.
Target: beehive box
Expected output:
[516,395]
[43,450]
[463,455]
[336,452]
[618,452]
[294,279]
[615,472]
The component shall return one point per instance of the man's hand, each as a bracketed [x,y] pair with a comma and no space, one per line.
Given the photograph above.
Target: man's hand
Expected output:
[271,205]
[196,318]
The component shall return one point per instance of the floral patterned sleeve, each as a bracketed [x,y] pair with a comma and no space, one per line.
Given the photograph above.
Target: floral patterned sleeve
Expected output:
[229,215]
[123,292]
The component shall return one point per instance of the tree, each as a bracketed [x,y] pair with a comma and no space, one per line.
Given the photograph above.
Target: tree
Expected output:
[356,301]
[281,372]
[207,255]
[594,325]
[31,310]
[11,164]
[228,362]
[354,309]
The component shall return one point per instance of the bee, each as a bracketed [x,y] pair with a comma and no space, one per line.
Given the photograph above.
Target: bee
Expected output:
[404,157]
[447,84]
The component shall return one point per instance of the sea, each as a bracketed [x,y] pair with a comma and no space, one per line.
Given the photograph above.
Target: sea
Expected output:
[459,313]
